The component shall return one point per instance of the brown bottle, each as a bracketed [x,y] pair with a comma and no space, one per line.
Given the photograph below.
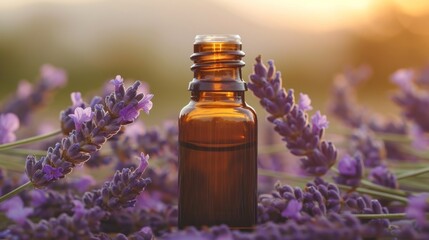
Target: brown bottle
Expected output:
[217,139]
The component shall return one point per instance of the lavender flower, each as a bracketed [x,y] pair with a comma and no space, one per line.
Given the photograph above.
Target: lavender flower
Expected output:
[420,139]
[412,100]
[418,207]
[129,220]
[93,130]
[79,226]
[285,202]
[291,121]
[81,116]
[143,234]
[304,103]
[358,204]
[15,210]
[382,176]
[48,204]
[29,98]
[344,104]
[9,123]
[333,226]
[122,190]
[404,79]
[372,150]
[350,170]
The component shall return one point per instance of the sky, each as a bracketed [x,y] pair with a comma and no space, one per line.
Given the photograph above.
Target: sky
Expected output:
[300,14]
[151,40]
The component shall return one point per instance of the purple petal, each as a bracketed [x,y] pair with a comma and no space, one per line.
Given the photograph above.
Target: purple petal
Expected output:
[117,82]
[403,78]
[52,173]
[54,77]
[293,208]
[304,103]
[144,162]
[76,98]
[319,121]
[146,104]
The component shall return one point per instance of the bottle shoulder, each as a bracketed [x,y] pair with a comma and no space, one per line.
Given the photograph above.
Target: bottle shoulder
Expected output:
[208,110]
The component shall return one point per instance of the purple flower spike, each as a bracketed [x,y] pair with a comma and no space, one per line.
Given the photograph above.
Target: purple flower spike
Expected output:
[143,162]
[404,79]
[131,112]
[121,191]
[76,98]
[9,123]
[81,116]
[24,89]
[52,76]
[350,170]
[117,82]
[319,122]
[94,125]
[293,209]
[52,173]
[418,207]
[382,176]
[15,210]
[30,97]
[304,103]
[291,121]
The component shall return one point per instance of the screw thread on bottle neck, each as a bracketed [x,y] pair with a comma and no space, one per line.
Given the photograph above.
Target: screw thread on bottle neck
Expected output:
[217,63]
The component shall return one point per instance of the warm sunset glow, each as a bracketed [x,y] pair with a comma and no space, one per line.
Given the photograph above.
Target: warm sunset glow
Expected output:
[413,7]
[316,15]
[304,15]
[7,4]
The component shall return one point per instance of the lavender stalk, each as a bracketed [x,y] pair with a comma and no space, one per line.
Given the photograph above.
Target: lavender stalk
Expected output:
[302,138]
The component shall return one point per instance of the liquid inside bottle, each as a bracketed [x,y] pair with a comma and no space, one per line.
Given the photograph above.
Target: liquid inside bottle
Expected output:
[217,140]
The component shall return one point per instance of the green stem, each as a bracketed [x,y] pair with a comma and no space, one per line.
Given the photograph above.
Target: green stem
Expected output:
[415,185]
[15,191]
[417,153]
[11,165]
[374,193]
[412,173]
[371,192]
[379,216]
[23,152]
[370,185]
[28,140]
[270,173]
[391,137]
[373,186]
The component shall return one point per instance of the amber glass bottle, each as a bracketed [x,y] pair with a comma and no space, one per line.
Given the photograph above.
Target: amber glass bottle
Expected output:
[217,139]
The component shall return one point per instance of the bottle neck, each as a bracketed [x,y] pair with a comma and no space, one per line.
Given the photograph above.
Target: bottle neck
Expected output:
[234,97]
[217,67]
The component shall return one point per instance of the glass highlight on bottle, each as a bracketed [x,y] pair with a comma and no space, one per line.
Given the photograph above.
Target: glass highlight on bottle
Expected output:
[217,140]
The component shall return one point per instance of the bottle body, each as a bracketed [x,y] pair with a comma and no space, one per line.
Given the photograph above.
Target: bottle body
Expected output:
[217,162]
[217,140]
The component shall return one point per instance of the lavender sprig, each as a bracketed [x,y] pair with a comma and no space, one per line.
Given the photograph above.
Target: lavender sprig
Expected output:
[372,150]
[350,170]
[9,123]
[291,121]
[81,225]
[382,176]
[286,202]
[412,100]
[28,97]
[121,191]
[92,129]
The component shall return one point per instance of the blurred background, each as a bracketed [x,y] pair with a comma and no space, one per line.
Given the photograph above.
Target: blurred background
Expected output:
[310,41]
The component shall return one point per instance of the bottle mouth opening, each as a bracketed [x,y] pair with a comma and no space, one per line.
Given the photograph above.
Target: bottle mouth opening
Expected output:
[226,38]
